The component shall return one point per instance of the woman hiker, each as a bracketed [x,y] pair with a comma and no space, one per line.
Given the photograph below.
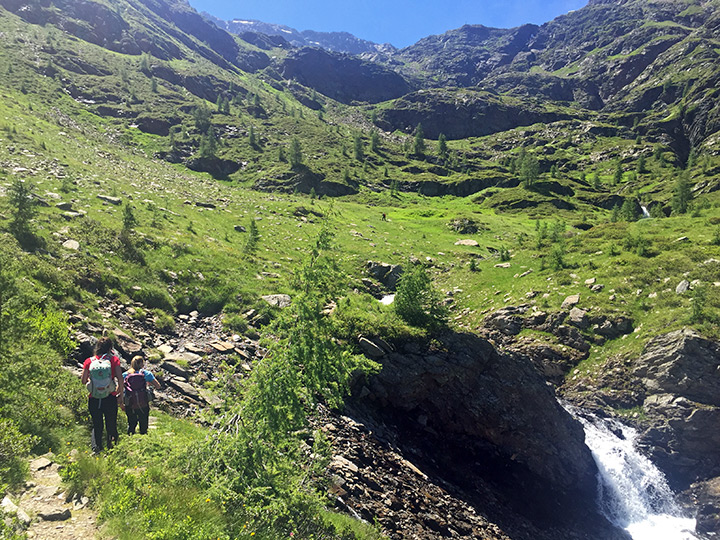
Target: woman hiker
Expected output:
[137,402]
[102,376]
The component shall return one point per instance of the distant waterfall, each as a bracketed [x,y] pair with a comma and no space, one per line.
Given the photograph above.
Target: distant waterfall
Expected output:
[633,493]
[645,212]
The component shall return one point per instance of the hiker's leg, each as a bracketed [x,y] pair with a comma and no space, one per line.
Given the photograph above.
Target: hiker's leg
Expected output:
[132,419]
[111,408]
[96,413]
[143,416]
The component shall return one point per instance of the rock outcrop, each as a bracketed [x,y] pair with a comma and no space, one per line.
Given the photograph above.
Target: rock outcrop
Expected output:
[342,77]
[681,375]
[485,415]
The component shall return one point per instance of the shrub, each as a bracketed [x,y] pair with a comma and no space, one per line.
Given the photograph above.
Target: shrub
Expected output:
[164,323]
[417,302]
[153,296]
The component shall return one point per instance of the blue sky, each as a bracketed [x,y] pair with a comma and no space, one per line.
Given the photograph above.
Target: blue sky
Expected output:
[400,22]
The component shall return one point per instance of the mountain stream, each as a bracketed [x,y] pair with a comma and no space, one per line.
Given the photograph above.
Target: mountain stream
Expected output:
[632,493]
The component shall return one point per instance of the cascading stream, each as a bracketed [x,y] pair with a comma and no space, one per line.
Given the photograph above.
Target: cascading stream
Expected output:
[633,493]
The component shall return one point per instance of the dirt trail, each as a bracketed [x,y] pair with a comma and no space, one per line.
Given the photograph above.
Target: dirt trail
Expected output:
[54,517]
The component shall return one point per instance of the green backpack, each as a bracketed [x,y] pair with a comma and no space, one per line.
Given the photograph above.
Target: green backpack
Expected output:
[101,383]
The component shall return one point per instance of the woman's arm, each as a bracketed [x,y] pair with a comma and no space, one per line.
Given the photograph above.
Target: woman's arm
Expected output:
[85,375]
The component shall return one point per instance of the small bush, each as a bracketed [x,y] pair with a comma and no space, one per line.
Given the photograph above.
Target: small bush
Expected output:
[153,296]
[164,323]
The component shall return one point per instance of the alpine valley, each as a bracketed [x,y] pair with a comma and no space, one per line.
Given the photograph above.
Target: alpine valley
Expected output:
[389,293]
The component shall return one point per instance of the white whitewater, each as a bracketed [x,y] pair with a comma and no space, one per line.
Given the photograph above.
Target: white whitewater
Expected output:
[633,493]
[645,212]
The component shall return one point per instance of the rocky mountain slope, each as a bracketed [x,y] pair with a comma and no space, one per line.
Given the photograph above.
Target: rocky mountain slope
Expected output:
[342,42]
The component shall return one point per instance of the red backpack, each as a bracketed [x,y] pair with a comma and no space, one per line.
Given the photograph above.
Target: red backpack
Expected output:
[136,395]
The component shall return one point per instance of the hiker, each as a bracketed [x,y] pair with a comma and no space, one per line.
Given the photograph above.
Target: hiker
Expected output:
[137,398]
[102,376]
[384,216]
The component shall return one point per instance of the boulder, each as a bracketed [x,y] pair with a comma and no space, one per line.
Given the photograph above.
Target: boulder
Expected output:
[108,199]
[682,287]
[387,274]
[370,348]
[570,301]
[175,369]
[278,300]
[682,363]
[578,318]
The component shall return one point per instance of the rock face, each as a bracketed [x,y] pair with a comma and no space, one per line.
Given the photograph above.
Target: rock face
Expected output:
[495,414]
[343,77]
[460,113]
[681,374]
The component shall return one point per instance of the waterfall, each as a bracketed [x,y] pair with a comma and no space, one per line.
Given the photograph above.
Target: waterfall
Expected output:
[632,493]
[645,212]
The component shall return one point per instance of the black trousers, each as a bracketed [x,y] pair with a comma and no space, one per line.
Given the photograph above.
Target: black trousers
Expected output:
[138,416]
[104,414]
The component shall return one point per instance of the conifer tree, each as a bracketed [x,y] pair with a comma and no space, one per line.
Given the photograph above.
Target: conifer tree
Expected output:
[23,206]
[682,195]
[442,147]
[295,155]
[374,141]
[358,147]
[419,142]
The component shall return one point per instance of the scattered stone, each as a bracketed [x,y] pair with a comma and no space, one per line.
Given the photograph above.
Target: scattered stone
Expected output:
[590,282]
[223,346]
[72,245]
[175,369]
[278,300]
[240,228]
[597,287]
[340,462]
[64,206]
[8,506]
[467,242]
[503,265]
[128,345]
[112,200]
[570,301]
[578,318]
[188,357]
[370,348]
[40,464]
[682,287]
[184,388]
[57,515]
[165,349]
[682,239]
